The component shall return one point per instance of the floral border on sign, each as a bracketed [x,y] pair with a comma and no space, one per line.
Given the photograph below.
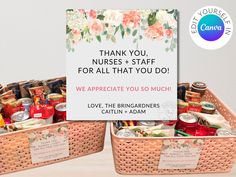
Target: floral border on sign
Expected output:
[182,143]
[89,25]
[48,133]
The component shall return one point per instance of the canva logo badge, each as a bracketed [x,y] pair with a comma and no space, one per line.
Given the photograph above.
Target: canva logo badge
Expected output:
[211,27]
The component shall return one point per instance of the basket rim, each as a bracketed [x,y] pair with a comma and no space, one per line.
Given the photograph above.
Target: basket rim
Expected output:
[43,127]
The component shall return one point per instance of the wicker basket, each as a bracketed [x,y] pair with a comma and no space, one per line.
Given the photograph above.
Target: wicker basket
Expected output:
[84,138]
[142,155]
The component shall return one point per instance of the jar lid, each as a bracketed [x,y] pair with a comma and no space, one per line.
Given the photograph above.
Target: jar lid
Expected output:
[208,106]
[199,85]
[188,118]
[61,107]
[54,96]
[26,100]
[20,116]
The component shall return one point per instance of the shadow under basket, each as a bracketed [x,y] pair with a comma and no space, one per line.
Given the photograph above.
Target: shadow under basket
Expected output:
[84,138]
[141,155]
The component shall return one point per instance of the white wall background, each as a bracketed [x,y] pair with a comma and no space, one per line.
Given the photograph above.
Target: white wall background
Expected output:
[32,41]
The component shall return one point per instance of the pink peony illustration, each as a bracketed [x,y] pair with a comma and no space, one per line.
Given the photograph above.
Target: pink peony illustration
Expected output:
[155,31]
[92,14]
[96,27]
[169,33]
[131,19]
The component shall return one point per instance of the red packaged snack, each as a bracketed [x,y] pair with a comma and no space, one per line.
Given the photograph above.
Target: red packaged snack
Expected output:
[205,131]
[60,112]
[187,123]
[195,106]
[55,98]
[182,107]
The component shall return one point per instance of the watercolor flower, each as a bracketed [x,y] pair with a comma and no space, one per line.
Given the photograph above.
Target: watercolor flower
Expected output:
[155,31]
[169,33]
[92,14]
[76,36]
[162,16]
[76,20]
[131,19]
[96,27]
[88,25]
[113,17]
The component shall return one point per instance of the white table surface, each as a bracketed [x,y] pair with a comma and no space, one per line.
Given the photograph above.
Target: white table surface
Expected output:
[95,165]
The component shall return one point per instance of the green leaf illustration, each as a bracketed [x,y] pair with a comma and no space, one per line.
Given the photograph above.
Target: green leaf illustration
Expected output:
[122,31]
[104,33]
[167,26]
[67,29]
[99,38]
[117,28]
[171,12]
[113,39]
[152,18]
[128,30]
[134,32]
[100,17]
[69,10]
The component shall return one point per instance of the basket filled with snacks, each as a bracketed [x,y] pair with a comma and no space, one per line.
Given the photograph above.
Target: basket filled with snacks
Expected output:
[201,140]
[33,127]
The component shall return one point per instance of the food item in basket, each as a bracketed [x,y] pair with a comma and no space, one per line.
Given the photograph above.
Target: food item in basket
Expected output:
[15,88]
[181,133]
[42,111]
[60,112]
[153,131]
[54,85]
[194,106]
[187,123]
[129,123]
[7,121]
[12,107]
[7,97]
[20,116]
[208,107]
[30,123]
[166,124]
[205,131]
[225,132]
[26,102]
[1,107]
[119,124]
[63,91]
[146,123]
[186,85]
[2,122]
[2,131]
[24,88]
[192,96]
[199,87]
[3,89]
[181,91]
[126,133]
[215,120]
[55,98]
[182,106]
[37,91]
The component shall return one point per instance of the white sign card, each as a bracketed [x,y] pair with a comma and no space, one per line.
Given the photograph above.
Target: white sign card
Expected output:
[121,64]
[49,144]
[180,154]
